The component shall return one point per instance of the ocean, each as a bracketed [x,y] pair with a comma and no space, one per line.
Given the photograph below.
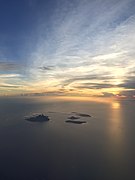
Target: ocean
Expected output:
[101,149]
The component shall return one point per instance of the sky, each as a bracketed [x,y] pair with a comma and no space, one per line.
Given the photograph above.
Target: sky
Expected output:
[67,47]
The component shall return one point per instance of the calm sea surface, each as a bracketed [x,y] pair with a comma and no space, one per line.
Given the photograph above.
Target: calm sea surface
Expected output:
[101,149]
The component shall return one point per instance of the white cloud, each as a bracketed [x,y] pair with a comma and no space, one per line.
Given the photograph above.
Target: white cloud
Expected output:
[9,75]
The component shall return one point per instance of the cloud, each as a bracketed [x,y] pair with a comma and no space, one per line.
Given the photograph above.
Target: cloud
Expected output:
[129,83]
[128,93]
[85,78]
[83,33]
[83,45]
[93,86]
[106,94]
[10,86]
[46,68]
[9,75]
[7,66]
[110,56]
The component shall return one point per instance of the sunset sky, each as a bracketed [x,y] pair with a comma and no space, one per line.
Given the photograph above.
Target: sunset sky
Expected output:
[67,47]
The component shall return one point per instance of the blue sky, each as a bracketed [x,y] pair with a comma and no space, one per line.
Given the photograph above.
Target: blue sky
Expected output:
[78,47]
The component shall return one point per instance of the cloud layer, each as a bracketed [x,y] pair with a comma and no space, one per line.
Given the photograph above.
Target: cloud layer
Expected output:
[83,48]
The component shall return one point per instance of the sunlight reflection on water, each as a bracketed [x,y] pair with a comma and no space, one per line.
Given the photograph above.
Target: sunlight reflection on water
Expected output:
[115,123]
[115,105]
[117,136]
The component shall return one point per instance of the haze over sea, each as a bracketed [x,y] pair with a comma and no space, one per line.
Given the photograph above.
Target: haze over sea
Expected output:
[103,148]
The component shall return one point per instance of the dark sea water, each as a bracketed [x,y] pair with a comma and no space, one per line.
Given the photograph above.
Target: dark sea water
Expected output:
[101,149]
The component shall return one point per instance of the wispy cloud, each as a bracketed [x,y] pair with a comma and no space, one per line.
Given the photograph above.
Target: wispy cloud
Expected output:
[84,45]
[9,75]
[94,86]
[10,86]
[46,68]
[8,66]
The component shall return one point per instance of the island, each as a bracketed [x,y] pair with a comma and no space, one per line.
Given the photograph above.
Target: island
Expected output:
[73,117]
[81,114]
[75,122]
[37,118]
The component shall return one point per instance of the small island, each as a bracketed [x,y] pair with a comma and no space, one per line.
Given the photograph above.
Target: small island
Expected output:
[37,118]
[75,122]
[81,114]
[73,117]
